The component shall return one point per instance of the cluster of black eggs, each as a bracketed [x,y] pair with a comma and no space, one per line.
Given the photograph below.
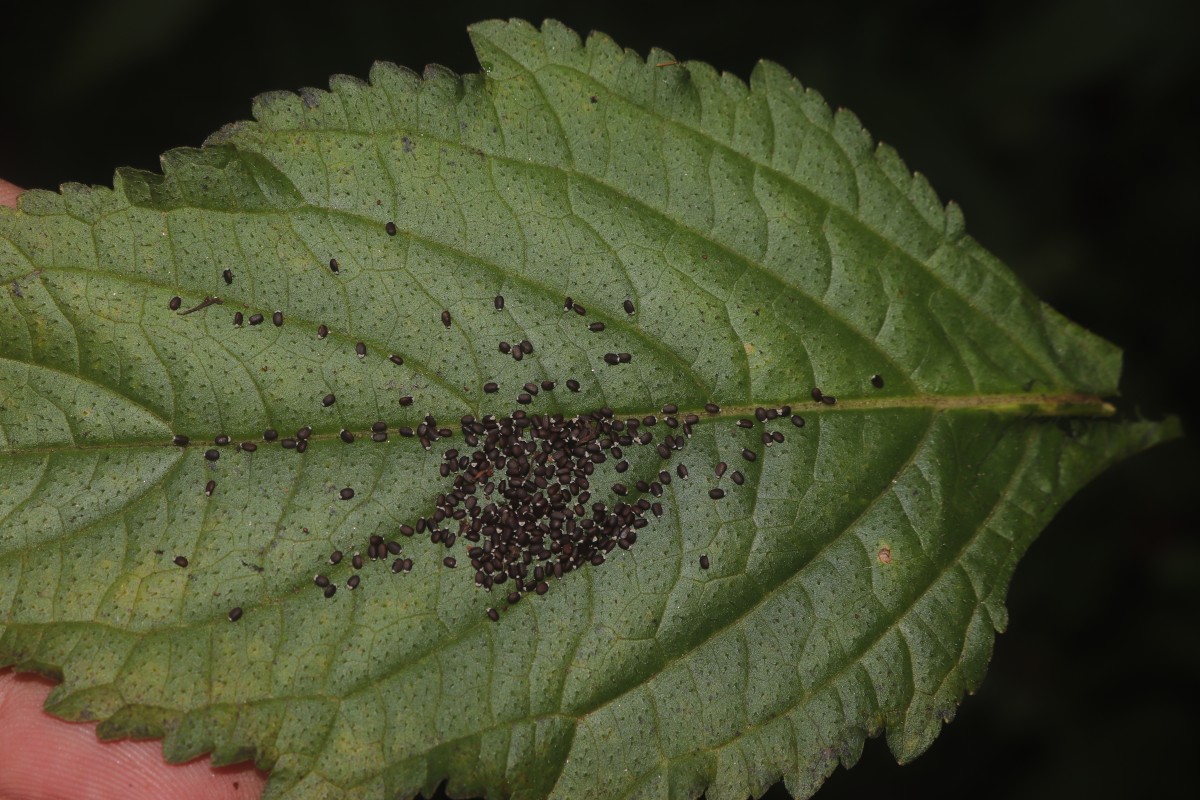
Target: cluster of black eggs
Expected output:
[521,504]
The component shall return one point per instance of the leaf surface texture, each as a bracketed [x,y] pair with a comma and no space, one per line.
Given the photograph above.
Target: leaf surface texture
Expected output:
[769,247]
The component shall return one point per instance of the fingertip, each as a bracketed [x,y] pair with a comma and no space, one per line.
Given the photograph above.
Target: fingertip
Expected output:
[45,758]
[9,193]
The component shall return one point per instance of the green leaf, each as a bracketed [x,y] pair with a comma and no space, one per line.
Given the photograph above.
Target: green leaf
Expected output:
[856,579]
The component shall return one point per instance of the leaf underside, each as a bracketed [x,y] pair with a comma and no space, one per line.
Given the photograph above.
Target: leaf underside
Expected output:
[856,578]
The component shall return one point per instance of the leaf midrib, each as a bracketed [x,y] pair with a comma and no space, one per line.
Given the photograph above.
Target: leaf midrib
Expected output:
[1065,405]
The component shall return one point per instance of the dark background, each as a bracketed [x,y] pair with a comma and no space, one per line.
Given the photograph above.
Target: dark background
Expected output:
[1067,130]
